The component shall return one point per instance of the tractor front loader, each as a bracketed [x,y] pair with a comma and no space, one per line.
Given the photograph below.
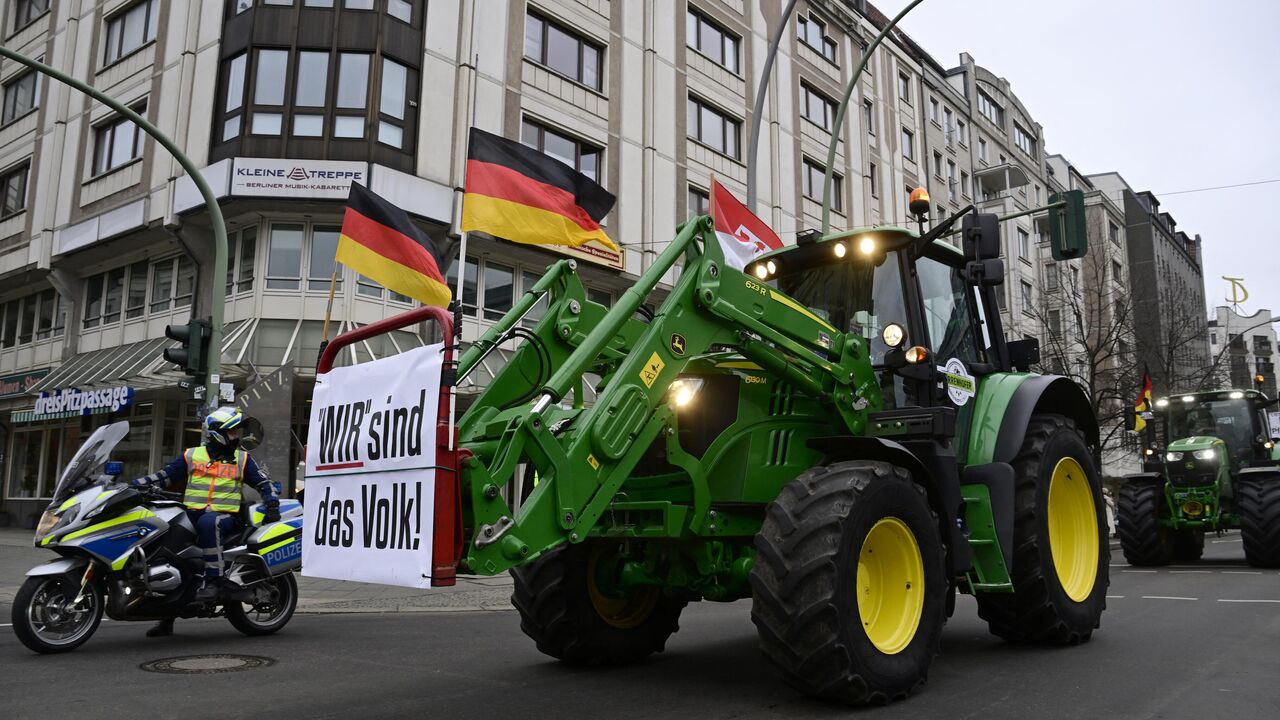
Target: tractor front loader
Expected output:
[840,432]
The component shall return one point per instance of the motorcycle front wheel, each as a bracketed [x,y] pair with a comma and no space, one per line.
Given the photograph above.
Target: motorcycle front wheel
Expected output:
[47,618]
[269,615]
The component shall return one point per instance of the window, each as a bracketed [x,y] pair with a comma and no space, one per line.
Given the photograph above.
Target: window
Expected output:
[26,11]
[392,102]
[982,149]
[868,117]
[948,126]
[871,176]
[129,30]
[311,92]
[572,152]
[990,109]
[1024,244]
[904,87]
[234,108]
[116,142]
[712,41]
[1027,306]
[498,288]
[284,258]
[952,190]
[1055,323]
[557,48]
[357,4]
[908,144]
[1113,232]
[135,298]
[268,89]
[937,164]
[400,10]
[1050,277]
[352,93]
[20,96]
[933,109]
[814,176]
[699,202]
[600,297]
[964,183]
[962,133]
[39,316]
[527,281]
[1075,277]
[713,128]
[322,266]
[1024,140]
[240,256]
[813,32]
[1117,272]
[13,191]
[816,108]
[470,284]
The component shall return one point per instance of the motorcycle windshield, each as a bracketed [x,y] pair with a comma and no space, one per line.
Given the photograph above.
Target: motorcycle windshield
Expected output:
[92,454]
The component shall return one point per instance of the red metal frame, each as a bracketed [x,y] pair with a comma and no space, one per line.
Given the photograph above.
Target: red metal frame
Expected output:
[446,544]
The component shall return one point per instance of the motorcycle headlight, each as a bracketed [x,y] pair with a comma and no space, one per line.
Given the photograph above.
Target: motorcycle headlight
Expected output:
[1206,454]
[53,519]
[1173,456]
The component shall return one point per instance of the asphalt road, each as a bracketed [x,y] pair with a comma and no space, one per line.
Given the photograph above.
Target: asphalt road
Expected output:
[1198,641]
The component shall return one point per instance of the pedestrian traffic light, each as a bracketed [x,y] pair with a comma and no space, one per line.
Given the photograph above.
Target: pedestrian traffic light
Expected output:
[192,352]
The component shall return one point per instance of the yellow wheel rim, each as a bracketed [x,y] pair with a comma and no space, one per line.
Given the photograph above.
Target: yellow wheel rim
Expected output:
[624,611]
[1073,529]
[890,585]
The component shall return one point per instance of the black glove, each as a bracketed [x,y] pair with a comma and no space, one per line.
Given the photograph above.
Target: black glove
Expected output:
[271,513]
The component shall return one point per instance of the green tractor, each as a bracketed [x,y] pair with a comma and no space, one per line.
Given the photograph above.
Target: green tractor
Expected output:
[1210,465]
[839,432]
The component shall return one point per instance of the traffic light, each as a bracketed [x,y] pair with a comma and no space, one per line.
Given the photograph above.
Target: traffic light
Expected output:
[192,353]
[1068,235]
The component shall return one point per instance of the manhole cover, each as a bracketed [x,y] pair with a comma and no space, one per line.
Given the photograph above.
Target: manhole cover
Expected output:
[206,664]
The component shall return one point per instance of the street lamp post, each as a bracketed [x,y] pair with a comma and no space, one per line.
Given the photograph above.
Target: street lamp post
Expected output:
[217,289]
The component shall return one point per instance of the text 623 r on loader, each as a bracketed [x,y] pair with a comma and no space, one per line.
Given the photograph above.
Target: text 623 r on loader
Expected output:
[840,433]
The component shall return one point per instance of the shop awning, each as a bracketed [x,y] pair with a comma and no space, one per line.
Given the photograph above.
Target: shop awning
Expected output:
[140,365]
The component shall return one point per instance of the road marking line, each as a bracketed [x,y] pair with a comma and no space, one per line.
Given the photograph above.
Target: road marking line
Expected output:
[1176,572]
[1229,540]
[1241,572]
[1115,597]
[1138,571]
[1166,597]
[1249,601]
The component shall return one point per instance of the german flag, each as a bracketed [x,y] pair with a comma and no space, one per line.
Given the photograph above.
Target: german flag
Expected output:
[517,193]
[379,242]
[1143,404]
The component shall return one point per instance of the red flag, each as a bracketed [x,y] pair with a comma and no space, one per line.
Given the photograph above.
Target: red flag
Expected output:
[743,236]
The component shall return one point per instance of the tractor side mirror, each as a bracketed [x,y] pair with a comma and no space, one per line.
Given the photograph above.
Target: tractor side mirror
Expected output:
[985,273]
[981,234]
[1068,236]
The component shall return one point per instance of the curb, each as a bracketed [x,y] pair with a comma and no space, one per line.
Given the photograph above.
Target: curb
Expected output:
[396,611]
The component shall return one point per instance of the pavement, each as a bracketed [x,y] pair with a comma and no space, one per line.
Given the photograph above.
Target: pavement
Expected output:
[1193,641]
[315,595]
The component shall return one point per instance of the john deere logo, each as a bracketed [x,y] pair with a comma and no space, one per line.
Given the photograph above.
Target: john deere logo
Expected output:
[1191,466]
[677,344]
[298,174]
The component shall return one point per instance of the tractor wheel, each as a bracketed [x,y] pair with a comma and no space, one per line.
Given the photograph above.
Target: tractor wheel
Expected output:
[571,618]
[1060,552]
[848,587]
[1188,545]
[1258,501]
[1143,539]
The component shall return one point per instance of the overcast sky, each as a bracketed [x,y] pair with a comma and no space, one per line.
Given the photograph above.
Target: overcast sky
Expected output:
[1175,95]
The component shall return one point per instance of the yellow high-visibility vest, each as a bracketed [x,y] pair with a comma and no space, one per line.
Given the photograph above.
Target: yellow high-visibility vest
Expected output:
[213,484]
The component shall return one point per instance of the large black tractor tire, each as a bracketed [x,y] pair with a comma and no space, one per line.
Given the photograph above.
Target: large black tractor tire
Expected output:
[834,617]
[1188,545]
[1144,541]
[1258,502]
[1060,553]
[562,608]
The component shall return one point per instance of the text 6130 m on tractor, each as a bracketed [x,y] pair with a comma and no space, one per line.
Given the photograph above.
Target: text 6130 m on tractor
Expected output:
[839,432]
[1210,465]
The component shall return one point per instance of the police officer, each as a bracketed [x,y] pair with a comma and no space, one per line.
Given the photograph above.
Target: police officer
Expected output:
[215,473]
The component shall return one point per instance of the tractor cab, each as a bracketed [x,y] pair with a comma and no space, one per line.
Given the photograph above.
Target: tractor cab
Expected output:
[1209,437]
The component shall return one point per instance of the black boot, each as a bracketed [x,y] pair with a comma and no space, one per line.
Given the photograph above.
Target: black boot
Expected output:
[209,591]
[164,628]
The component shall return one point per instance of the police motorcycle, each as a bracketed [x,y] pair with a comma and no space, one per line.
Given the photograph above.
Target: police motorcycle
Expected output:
[131,553]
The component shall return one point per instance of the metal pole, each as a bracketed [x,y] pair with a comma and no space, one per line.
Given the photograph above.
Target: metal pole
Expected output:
[840,110]
[758,111]
[217,289]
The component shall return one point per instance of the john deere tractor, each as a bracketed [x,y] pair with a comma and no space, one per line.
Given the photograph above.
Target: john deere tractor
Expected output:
[1210,465]
[839,432]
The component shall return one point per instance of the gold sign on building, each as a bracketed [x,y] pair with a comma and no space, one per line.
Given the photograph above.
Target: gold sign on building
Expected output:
[1238,293]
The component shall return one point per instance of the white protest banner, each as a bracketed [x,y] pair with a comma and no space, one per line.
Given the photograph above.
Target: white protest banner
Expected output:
[371,458]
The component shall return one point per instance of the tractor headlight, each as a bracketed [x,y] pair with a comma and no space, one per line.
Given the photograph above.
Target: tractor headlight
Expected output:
[1205,454]
[684,390]
[893,335]
[867,245]
[1173,456]
[1149,452]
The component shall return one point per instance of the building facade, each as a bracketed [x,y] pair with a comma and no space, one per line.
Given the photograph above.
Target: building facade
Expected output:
[284,103]
[1242,349]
